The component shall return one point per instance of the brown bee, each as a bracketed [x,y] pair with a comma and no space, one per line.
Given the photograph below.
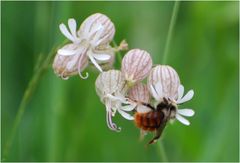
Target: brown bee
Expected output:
[157,118]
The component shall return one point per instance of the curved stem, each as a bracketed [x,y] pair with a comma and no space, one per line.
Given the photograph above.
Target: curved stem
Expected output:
[170,30]
[33,83]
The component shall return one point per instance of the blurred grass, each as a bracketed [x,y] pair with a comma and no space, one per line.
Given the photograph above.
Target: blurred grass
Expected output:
[65,120]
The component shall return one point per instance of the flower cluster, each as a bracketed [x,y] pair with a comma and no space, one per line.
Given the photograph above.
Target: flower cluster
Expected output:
[113,86]
[121,91]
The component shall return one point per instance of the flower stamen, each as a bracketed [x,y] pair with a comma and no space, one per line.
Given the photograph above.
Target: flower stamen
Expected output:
[110,124]
[89,53]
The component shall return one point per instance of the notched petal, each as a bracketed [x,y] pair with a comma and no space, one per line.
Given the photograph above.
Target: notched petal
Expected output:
[186,112]
[187,97]
[182,120]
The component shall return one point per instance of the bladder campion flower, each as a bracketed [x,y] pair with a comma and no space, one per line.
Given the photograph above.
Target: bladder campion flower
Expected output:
[164,83]
[111,88]
[91,41]
[136,65]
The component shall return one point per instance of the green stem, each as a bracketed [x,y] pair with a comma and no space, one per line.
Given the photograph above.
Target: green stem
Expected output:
[161,148]
[119,56]
[25,100]
[162,152]
[170,30]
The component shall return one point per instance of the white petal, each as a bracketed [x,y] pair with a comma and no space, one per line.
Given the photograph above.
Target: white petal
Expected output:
[65,32]
[182,120]
[73,27]
[186,112]
[187,97]
[158,87]
[94,62]
[126,115]
[154,93]
[128,107]
[66,52]
[116,98]
[101,57]
[180,91]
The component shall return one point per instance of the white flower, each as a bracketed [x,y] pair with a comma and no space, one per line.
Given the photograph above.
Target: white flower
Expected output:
[163,82]
[110,87]
[90,41]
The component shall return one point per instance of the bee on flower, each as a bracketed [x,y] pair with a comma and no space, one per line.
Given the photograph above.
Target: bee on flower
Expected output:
[89,44]
[167,92]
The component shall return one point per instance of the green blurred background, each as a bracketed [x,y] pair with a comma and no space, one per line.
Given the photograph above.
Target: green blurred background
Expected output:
[65,120]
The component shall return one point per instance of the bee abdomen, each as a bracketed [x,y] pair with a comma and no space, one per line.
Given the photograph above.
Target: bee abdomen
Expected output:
[148,121]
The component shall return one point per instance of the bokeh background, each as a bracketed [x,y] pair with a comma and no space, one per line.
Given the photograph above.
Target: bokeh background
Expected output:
[65,120]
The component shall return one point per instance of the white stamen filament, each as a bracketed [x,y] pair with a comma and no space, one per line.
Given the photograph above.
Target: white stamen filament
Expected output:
[110,124]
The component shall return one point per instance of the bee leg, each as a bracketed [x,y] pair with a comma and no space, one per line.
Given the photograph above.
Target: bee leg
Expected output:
[149,106]
[142,134]
[143,103]
[158,133]
[165,100]
[155,138]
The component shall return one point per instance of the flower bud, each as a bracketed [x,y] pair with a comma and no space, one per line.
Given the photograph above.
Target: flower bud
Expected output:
[163,81]
[136,65]
[98,29]
[69,65]
[123,46]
